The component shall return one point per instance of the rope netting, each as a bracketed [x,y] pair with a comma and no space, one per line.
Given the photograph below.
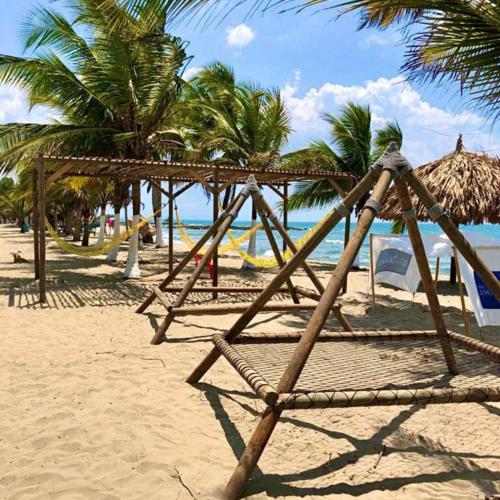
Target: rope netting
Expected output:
[99,248]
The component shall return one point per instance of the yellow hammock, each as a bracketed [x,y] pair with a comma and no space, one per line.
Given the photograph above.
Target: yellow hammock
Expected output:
[270,262]
[190,243]
[100,248]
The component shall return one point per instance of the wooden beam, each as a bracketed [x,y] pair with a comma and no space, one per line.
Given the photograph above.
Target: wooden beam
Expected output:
[228,182]
[36,222]
[41,229]
[162,297]
[337,188]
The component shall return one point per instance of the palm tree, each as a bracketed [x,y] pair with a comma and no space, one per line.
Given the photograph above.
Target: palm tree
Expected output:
[238,123]
[352,149]
[116,91]
[455,40]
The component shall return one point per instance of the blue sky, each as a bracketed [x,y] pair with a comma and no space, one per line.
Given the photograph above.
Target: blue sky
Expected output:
[320,63]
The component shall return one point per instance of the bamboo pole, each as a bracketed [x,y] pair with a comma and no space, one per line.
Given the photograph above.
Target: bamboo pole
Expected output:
[261,201]
[171,201]
[493,352]
[274,246]
[215,209]
[269,419]
[41,229]
[187,259]
[456,237]
[221,231]
[462,295]
[372,271]
[223,309]
[296,261]
[426,276]
[221,289]
[383,397]
[36,230]
[251,377]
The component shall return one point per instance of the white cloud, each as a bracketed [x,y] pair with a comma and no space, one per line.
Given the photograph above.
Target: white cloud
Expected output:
[192,72]
[429,131]
[379,38]
[239,36]
[14,107]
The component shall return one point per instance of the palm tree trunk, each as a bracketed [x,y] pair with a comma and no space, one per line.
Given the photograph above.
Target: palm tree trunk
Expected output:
[132,268]
[117,205]
[252,242]
[160,240]
[70,220]
[86,227]
[102,224]
[77,230]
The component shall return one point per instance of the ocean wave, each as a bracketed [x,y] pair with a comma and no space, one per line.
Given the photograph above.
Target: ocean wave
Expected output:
[335,242]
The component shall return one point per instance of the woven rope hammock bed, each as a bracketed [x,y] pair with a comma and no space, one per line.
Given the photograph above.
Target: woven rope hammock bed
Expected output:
[392,368]
[313,369]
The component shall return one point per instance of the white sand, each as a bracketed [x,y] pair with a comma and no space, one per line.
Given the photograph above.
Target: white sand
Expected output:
[88,409]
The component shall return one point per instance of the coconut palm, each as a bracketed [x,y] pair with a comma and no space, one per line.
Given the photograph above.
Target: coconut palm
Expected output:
[351,149]
[238,123]
[446,40]
[116,91]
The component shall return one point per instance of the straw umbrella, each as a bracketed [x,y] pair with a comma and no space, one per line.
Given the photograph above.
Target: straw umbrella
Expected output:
[466,184]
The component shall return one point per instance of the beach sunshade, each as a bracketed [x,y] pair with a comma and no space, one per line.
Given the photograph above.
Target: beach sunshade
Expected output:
[314,369]
[467,184]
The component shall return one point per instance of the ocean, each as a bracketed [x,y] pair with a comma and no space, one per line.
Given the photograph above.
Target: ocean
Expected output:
[332,246]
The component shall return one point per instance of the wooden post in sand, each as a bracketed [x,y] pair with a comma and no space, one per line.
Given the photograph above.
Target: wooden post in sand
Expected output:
[270,417]
[171,202]
[439,215]
[461,293]
[35,217]
[41,229]
[291,266]
[372,271]
[215,209]
[410,218]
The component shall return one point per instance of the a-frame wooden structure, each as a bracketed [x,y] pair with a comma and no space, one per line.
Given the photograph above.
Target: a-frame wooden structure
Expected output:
[284,395]
[217,232]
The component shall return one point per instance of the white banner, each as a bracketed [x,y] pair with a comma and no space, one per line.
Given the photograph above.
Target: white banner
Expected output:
[486,306]
[394,262]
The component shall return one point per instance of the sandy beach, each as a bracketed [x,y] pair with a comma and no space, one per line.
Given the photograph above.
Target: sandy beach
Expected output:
[89,409]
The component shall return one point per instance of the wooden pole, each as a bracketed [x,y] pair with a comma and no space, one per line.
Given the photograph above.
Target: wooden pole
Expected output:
[269,419]
[187,259]
[462,295]
[372,271]
[347,234]
[436,276]
[215,216]
[425,274]
[285,212]
[171,201]
[456,237]
[296,261]
[244,194]
[41,229]
[274,246]
[36,221]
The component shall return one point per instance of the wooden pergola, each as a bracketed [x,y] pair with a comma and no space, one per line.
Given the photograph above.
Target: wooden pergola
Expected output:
[213,176]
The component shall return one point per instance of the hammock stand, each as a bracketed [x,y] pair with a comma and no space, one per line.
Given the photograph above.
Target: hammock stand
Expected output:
[293,383]
[217,232]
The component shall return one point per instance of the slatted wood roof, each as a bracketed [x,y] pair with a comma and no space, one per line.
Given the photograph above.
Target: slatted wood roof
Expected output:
[130,170]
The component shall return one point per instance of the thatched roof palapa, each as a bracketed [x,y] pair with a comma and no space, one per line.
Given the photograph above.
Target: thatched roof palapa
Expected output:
[466,184]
